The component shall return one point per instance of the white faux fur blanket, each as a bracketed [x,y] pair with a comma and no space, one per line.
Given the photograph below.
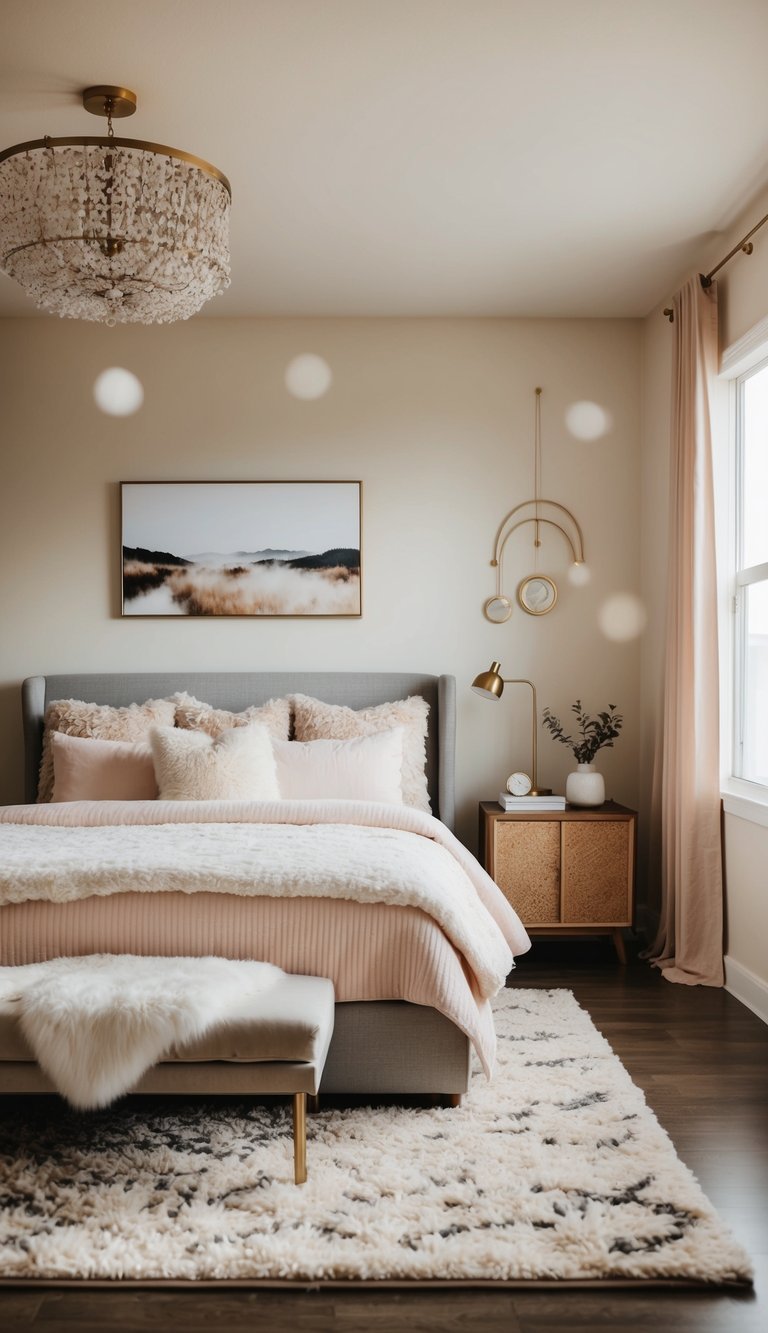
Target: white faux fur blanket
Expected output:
[97,1024]
[301,849]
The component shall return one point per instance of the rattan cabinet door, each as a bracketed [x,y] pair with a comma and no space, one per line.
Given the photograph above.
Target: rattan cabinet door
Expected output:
[526,867]
[597,870]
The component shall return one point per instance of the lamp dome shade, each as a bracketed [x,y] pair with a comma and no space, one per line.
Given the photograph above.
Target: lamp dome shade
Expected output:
[489,683]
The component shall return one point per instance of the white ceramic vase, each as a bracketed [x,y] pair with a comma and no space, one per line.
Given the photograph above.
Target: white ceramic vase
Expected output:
[585,787]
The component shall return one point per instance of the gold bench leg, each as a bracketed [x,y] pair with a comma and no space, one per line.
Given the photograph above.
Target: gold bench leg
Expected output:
[299,1137]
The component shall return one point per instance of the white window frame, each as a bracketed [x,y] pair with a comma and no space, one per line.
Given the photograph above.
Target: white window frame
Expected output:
[741,796]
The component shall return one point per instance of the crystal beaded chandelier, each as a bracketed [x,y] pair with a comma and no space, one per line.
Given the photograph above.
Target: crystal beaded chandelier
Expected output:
[110,229]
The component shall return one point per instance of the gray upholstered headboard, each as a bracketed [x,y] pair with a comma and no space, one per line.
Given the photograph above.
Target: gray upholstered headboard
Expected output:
[235,690]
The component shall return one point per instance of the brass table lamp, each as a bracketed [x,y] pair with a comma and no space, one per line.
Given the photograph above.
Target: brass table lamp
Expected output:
[490,685]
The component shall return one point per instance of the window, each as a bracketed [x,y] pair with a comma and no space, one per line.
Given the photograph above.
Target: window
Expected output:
[750,759]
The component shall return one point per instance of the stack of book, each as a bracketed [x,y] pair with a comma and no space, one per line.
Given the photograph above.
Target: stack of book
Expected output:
[508,802]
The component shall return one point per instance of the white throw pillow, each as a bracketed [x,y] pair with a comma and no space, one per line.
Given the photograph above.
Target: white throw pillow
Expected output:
[365,769]
[314,720]
[238,765]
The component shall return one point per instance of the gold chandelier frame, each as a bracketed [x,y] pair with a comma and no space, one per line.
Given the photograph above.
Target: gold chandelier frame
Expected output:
[180,292]
[114,103]
[103,141]
[116,141]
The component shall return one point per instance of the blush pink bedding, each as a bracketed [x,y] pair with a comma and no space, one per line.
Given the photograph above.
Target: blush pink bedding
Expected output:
[371,950]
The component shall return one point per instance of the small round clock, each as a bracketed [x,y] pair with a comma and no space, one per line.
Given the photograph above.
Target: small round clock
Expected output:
[519,784]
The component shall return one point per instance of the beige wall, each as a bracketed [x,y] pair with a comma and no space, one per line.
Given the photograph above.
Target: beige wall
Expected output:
[434,415]
[743,301]
[746,848]
[743,283]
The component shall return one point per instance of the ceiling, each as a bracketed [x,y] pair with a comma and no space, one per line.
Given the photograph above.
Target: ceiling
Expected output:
[426,157]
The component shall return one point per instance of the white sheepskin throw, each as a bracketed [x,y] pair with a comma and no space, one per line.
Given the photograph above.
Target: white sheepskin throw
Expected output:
[97,1024]
[237,765]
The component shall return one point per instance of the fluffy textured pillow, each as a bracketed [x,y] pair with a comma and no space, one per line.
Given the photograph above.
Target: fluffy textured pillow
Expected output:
[194,715]
[237,766]
[94,770]
[74,717]
[315,720]
[365,769]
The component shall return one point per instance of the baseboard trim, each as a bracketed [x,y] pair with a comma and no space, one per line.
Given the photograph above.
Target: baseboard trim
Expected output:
[751,990]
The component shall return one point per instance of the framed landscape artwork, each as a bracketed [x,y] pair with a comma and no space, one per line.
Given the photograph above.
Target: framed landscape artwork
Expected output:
[241,548]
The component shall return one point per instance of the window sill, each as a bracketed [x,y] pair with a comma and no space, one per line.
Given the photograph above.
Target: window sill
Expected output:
[746,801]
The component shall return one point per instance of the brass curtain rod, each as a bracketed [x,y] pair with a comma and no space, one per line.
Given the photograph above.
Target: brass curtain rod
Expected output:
[744,244]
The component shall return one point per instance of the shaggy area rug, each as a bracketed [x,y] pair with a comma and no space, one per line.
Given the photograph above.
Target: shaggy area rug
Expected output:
[555,1170]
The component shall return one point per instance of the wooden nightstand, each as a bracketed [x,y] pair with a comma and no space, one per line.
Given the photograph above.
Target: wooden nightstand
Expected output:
[565,872]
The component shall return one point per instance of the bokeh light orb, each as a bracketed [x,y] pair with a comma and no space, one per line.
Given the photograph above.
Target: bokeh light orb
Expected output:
[579,575]
[587,421]
[622,617]
[118,392]
[308,376]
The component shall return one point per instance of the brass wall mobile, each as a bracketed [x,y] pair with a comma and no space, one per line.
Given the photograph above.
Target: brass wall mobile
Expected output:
[536,593]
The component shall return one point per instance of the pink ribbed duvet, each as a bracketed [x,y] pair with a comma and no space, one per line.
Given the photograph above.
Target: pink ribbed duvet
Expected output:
[369,952]
[372,951]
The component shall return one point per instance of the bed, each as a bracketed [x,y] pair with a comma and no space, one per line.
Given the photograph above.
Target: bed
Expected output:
[380,1045]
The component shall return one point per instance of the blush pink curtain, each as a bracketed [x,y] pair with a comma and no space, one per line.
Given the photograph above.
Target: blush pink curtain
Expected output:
[689,943]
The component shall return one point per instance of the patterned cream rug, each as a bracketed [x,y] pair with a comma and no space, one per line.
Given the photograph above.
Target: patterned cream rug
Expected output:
[556,1170]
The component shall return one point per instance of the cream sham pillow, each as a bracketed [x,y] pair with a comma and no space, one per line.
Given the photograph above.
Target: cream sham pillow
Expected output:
[75,717]
[193,715]
[367,768]
[315,720]
[238,765]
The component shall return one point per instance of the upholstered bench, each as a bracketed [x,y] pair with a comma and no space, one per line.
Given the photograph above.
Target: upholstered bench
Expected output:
[284,1043]
[280,1047]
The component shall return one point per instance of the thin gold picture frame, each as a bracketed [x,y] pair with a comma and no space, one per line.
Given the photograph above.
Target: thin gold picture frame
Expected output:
[522,594]
[247,482]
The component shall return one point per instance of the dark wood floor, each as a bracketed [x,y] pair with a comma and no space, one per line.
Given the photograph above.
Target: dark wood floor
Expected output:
[702,1060]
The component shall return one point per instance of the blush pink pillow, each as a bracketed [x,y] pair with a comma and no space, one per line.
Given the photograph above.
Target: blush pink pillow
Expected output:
[367,768]
[87,769]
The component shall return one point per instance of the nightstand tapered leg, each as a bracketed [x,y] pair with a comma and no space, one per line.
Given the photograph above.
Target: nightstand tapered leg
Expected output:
[619,946]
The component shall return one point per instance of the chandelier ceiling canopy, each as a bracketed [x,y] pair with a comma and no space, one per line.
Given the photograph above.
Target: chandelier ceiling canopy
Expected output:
[111,229]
